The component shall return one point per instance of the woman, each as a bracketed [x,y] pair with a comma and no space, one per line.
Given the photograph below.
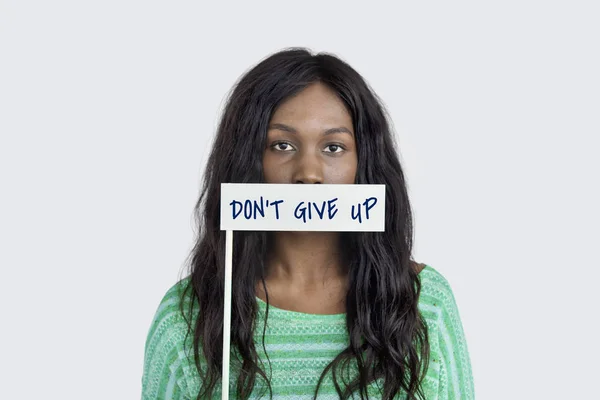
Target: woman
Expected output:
[350,315]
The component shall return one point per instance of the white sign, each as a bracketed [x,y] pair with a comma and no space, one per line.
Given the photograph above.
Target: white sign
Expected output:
[302,207]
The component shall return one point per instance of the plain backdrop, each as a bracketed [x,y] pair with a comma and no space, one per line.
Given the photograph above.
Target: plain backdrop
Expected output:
[108,108]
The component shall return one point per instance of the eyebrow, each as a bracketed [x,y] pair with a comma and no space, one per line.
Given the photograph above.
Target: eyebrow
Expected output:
[287,128]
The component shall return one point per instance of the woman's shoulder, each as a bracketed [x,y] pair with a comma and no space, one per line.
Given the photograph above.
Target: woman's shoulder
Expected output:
[174,294]
[441,312]
[436,291]
[168,314]
[165,356]
[433,277]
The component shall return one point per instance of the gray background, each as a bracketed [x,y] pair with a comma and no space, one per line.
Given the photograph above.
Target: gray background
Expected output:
[107,110]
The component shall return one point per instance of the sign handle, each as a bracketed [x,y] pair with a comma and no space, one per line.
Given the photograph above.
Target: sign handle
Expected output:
[227,314]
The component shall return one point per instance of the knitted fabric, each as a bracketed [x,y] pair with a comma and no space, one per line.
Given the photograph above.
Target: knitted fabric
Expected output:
[300,345]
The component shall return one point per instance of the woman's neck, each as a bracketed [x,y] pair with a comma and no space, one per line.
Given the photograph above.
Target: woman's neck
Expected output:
[304,260]
[305,273]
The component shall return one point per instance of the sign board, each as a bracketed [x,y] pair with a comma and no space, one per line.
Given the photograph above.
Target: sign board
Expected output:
[291,207]
[302,207]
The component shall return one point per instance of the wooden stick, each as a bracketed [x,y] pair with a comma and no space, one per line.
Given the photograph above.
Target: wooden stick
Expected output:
[227,314]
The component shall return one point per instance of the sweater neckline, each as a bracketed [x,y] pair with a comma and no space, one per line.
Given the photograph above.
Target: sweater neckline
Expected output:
[298,314]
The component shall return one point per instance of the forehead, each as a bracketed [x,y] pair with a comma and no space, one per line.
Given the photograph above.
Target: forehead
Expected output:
[316,103]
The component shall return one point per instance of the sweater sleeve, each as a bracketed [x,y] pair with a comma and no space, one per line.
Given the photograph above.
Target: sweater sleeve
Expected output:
[164,360]
[456,379]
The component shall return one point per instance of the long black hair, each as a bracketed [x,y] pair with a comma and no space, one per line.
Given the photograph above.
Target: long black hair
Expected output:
[387,335]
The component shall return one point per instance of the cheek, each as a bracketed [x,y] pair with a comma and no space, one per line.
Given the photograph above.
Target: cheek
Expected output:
[273,172]
[352,170]
[342,172]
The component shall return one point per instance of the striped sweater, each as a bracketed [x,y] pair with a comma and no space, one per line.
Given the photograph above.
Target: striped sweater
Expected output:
[300,345]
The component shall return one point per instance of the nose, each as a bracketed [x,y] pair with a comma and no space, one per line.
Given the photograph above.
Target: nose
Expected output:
[308,170]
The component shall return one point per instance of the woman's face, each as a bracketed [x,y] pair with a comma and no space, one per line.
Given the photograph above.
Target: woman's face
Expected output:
[310,139]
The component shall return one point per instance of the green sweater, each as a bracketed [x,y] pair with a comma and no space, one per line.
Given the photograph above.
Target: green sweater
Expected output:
[300,345]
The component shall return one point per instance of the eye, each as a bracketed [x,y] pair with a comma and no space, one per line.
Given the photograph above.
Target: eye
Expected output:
[334,148]
[282,146]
